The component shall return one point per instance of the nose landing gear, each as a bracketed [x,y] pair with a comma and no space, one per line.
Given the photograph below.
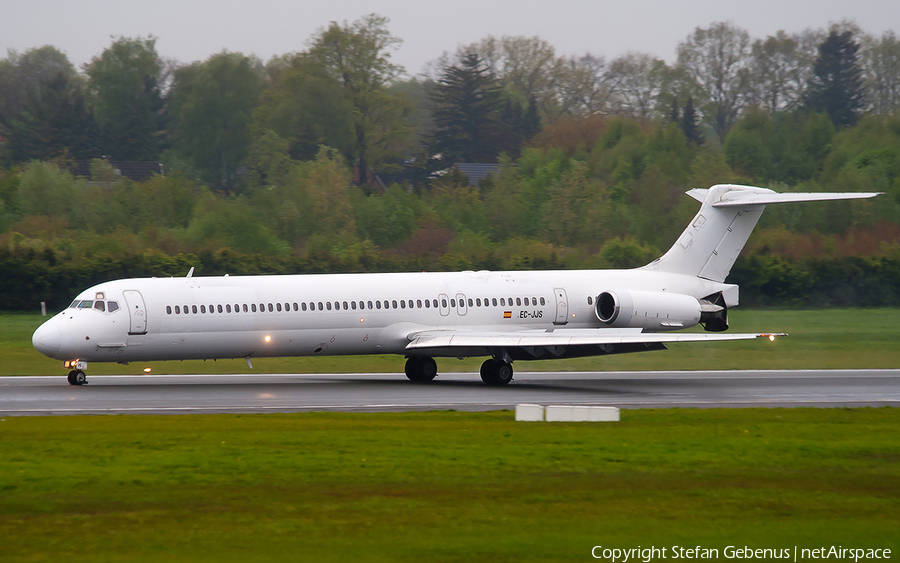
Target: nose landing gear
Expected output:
[76,376]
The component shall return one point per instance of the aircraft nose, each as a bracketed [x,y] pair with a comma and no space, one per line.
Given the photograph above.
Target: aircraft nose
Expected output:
[46,339]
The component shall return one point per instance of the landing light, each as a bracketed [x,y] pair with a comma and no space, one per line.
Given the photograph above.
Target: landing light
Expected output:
[772,338]
[268,338]
[147,370]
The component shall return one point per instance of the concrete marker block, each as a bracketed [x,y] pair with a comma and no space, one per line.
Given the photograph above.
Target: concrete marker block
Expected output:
[577,413]
[604,414]
[529,413]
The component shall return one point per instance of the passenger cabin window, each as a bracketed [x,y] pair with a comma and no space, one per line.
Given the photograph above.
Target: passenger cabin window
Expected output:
[494,301]
[253,307]
[278,307]
[542,301]
[194,309]
[168,309]
[419,303]
[177,310]
[434,303]
[470,302]
[303,305]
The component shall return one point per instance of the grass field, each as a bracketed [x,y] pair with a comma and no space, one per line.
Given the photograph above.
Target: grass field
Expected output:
[821,338]
[444,486]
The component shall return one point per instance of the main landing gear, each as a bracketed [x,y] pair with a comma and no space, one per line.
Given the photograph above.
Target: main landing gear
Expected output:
[77,377]
[496,372]
[420,369]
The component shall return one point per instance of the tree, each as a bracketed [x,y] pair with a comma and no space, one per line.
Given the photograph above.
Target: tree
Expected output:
[54,121]
[357,56]
[213,103]
[585,85]
[637,81]
[881,63]
[718,60]
[466,105]
[837,84]
[124,89]
[27,75]
[307,108]
[528,67]
[689,123]
[778,65]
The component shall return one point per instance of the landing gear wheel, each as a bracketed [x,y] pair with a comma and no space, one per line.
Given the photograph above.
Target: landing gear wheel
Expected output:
[496,372]
[421,369]
[77,377]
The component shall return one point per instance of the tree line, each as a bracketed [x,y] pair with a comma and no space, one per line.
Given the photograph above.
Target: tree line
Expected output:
[208,117]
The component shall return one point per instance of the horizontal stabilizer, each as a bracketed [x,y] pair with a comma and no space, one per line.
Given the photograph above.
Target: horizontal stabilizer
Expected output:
[744,198]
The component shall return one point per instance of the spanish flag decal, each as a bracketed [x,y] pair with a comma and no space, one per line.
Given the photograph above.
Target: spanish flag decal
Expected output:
[507,314]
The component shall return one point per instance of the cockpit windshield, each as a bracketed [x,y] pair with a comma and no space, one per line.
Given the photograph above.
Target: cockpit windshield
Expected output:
[99,305]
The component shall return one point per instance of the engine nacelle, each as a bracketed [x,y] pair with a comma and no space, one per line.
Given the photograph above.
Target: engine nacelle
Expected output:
[650,310]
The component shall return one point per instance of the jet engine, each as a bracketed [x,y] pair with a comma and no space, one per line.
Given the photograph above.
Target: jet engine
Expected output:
[650,310]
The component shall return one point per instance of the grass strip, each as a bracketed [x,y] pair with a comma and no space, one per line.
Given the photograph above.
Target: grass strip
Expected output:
[444,486]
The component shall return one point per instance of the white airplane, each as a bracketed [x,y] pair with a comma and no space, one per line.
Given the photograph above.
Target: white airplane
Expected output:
[506,316]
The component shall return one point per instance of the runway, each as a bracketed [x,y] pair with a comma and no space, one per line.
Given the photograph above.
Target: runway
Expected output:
[181,394]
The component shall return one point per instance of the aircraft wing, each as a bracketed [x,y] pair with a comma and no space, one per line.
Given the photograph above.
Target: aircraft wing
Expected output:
[561,342]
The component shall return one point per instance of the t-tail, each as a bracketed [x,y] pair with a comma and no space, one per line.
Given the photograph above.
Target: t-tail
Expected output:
[711,243]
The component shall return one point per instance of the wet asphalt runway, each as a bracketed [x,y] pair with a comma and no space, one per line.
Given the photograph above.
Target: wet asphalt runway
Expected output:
[180,394]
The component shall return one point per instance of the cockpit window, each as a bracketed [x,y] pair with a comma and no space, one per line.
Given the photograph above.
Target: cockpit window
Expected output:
[74,304]
[85,304]
[100,306]
[112,306]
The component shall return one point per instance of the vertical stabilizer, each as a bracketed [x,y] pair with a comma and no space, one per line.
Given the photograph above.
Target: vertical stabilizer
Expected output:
[711,243]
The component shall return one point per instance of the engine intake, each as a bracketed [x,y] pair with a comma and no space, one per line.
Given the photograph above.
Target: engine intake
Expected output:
[655,311]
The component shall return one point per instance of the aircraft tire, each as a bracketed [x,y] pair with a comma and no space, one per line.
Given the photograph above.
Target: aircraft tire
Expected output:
[79,378]
[496,372]
[420,369]
[71,378]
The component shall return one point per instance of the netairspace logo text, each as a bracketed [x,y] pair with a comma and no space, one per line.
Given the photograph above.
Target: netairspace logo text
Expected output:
[648,554]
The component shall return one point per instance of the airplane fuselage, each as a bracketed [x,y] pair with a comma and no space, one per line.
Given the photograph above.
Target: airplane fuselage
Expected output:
[308,315]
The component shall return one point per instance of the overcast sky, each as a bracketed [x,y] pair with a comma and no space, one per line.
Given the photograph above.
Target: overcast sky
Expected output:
[189,30]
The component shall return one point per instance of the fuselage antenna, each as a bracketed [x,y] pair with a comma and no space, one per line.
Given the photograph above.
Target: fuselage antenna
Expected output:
[190,272]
